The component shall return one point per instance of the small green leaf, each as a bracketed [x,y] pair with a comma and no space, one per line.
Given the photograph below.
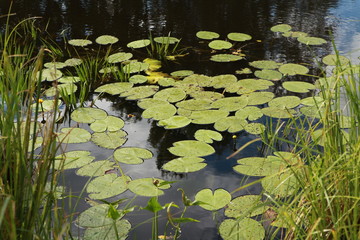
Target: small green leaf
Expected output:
[182,73]
[207,35]
[160,112]
[244,229]
[174,122]
[73,135]
[298,86]
[254,128]
[109,140]
[147,187]
[213,201]
[293,69]
[139,43]
[153,205]
[232,124]
[115,88]
[311,40]
[220,44]
[79,42]
[269,74]
[138,79]
[166,40]
[107,186]
[225,58]
[119,57]
[132,155]
[185,164]
[171,95]
[207,116]
[207,136]
[190,148]
[108,232]
[333,60]
[73,159]
[281,28]
[88,115]
[265,64]
[95,169]
[106,39]
[110,123]
[140,92]
[238,37]
[248,206]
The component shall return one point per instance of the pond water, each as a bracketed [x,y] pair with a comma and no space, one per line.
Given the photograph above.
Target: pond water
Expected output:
[135,19]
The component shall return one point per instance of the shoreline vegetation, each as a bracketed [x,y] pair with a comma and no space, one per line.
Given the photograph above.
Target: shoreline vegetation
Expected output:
[317,190]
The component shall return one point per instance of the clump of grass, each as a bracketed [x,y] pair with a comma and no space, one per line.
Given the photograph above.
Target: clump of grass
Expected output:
[162,51]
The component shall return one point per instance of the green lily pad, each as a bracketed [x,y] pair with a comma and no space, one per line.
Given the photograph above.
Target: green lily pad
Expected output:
[174,122]
[69,79]
[73,135]
[254,128]
[251,113]
[160,112]
[293,69]
[298,86]
[313,111]
[171,95]
[106,39]
[295,34]
[96,216]
[281,28]
[248,86]
[269,74]
[185,164]
[230,104]
[213,201]
[55,65]
[110,123]
[220,44]
[108,232]
[182,73]
[238,37]
[166,40]
[195,104]
[320,138]
[276,112]
[95,169]
[66,89]
[115,88]
[207,35]
[191,148]
[312,101]
[231,124]
[281,185]
[209,95]
[311,40]
[207,116]
[79,42]
[107,185]
[49,74]
[72,62]
[38,143]
[260,166]
[248,206]
[109,140]
[139,43]
[140,92]
[138,79]
[244,229]
[265,64]
[258,98]
[47,105]
[225,58]
[333,60]
[198,80]
[73,159]
[166,82]
[119,57]
[132,155]
[88,115]
[188,87]
[207,136]
[285,102]
[148,187]
[150,102]
[107,70]
[135,67]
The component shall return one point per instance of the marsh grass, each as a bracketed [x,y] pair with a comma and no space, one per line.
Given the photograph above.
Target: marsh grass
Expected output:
[327,205]
[28,196]
[162,51]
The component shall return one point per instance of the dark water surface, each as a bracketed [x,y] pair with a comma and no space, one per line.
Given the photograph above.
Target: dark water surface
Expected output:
[131,20]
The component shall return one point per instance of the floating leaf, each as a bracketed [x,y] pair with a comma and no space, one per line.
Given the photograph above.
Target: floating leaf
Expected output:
[171,95]
[154,77]
[154,64]
[108,232]
[166,82]
[73,159]
[110,123]
[73,135]
[293,69]
[95,169]
[96,216]
[295,34]
[220,44]
[238,37]
[108,70]
[312,101]
[159,112]
[135,67]
[311,40]
[195,104]
[244,71]
[213,201]
[207,116]
[333,60]
[80,42]
[258,98]
[265,64]
[285,102]
[282,184]
[174,122]
[69,79]
[251,112]
[115,88]
[88,115]
[119,57]
[207,136]
[260,166]
[166,40]
[66,89]
[150,102]
[298,86]
[207,35]
[313,111]
[209,95]
[71,62]
[269,74]
[47,105]
[248,206]
[55,65]
[148,187]
[132,155]
[281,28]
[106,186]
[185,164]
[140,92]
[231,124]
[138,79]
[106,39]
[182,73]
[225,58]
[255,128]
[277,112]
[49,74]
[109,140]
[248,85]
[244,229]
[230,104]
[139,43]
[191,148]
